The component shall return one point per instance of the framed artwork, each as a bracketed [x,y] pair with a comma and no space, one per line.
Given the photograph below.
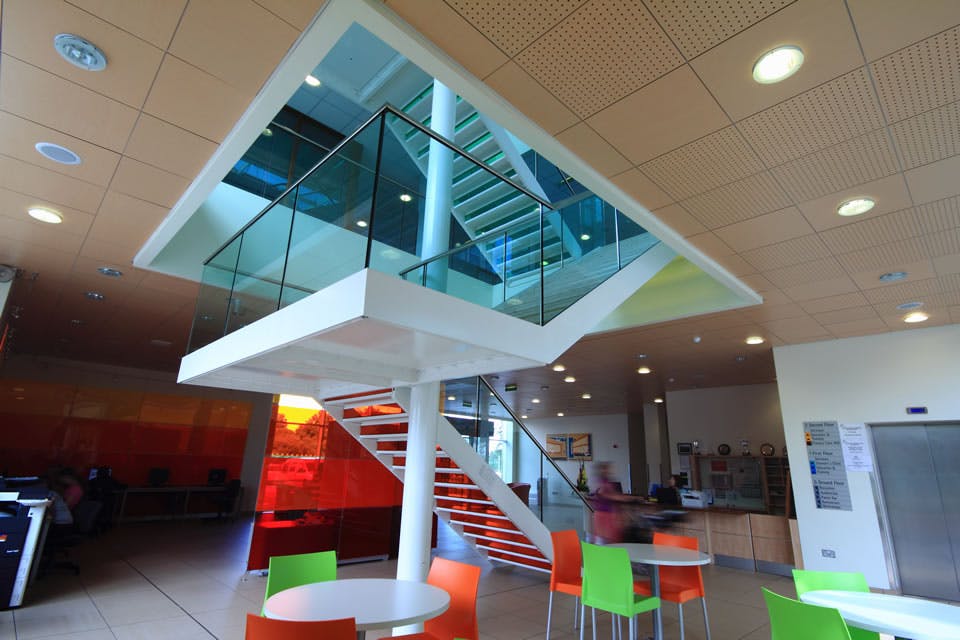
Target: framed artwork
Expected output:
[557,446]
[580,446]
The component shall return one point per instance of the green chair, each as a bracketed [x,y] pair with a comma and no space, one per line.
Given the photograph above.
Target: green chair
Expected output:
[608,586]
[836,581]
[794,620]
[295,570]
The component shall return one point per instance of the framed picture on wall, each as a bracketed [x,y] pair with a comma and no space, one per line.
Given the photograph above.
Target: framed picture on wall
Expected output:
[557,446]
[580,446]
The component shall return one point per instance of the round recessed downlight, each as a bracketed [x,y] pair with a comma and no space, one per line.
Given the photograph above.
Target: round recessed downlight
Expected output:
[523,417]
[267,133]
[754,340]
[584,236]
[778,64]
[361,223]
[451,398]
[535,400]
[405,197]
[95,295]
[909,306]
[916,316]
[658,400]
[643,370]
[57,153]
[80,52]
[559,367]
[697,339]
[855,206]
[586,396]
[559,414]
[313,81]
[110,272]
[569,379]
[45,215]
[893,276]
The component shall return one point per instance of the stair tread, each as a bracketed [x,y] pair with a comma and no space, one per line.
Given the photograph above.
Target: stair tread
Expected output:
[521,564]
[360,401]
[480,536]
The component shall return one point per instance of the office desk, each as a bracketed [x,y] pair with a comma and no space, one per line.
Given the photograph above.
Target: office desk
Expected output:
[177,502]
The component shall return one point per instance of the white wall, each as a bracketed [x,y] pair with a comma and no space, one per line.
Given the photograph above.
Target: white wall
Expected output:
[870,379]
[651,432]
[724,415]
[609,443]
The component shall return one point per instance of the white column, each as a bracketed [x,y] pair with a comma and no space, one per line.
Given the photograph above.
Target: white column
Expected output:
[438,200]
[416,520]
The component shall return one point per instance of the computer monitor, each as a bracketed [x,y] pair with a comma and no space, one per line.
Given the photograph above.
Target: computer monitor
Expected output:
[158,476]
[216,477]
[96,472]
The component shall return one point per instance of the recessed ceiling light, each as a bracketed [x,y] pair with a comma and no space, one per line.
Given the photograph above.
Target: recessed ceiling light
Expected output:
[535,401]
[361,223]
[559,414]
[559,367]
[754,340]
[57,153]
[671,379]
[584,236]
[778,64]
[94,295]
[569,379]
[740,358]
[405,197]
[80,52]
[893,276]
[451,398]
[77,322]
[313,81]
[206,317]
[697,339]
[641,356]
[267,133]
[45,215]
[916,316]
[523,417]
[110,272]
[855,206]
[658,400]
[909,306]
[643,370]
[158,342]
[544,387]
[586,396]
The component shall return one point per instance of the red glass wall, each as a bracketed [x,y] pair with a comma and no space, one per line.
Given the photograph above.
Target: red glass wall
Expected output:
[321,490]
[45,424]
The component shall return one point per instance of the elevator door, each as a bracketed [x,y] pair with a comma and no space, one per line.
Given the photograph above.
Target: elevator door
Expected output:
[921,488]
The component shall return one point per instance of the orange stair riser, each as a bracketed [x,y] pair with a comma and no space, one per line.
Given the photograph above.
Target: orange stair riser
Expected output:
[499,535]
[533,563]
[383,429]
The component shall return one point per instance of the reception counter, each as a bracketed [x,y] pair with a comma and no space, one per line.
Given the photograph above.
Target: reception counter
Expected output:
[740,539]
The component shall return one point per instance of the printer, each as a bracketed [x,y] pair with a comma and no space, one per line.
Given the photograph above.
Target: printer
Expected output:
[22,522]
[693,499]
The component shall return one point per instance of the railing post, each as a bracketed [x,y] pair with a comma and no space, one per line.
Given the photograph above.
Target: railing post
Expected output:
[541,267]
[616,236]
[373,195]
[233,285]
[286,255]
[503,276]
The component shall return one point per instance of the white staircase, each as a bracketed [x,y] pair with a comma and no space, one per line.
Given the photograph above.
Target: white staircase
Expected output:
[467,493]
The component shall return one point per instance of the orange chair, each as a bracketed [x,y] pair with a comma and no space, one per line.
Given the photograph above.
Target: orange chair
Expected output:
[259,628]
[565,575]
[461,581]
[679,584]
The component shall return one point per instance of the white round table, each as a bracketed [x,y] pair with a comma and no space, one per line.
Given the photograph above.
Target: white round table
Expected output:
[375,603]
[657,555]
[901,616]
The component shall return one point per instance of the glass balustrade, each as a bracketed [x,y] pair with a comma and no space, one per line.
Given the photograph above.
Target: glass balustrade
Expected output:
[364,205]
[484,420]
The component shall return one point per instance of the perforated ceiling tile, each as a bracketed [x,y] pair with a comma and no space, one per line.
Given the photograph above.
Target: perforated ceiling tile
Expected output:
[841,166]
[785,254]
[832,303]
[905,292]
[928,137]
[697,25]
[939,215]
[828,114]
[605,50]
[737,201]
[875,231]
[944,243]
[815,271]
[704,164]
[921,77]
[887,256]
[513,24]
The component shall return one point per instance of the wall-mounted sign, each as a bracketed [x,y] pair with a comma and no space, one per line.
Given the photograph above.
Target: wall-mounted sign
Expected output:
[916,411]
[510,387]
[856,451]
[827,469]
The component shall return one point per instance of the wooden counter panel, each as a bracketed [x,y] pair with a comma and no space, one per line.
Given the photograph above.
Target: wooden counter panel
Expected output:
[734,523]
[695,520]
[701,536]
[773,550]
[769,526]
[728,544]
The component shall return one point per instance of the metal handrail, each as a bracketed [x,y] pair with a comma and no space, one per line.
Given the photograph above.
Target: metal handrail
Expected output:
[478,240]
[379,113]
[543,451]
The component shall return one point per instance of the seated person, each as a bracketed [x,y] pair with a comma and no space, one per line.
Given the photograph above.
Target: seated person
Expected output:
[670,495]
[67,484]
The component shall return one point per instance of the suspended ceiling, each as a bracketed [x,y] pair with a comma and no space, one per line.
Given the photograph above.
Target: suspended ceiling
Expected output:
[654,95]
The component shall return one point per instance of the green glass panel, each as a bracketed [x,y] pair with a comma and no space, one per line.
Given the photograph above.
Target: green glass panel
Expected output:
[213,301]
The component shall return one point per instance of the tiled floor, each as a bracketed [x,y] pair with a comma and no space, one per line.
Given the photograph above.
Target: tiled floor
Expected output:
[187,581]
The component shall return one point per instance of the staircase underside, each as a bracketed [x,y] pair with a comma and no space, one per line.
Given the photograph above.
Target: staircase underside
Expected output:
[372,330]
